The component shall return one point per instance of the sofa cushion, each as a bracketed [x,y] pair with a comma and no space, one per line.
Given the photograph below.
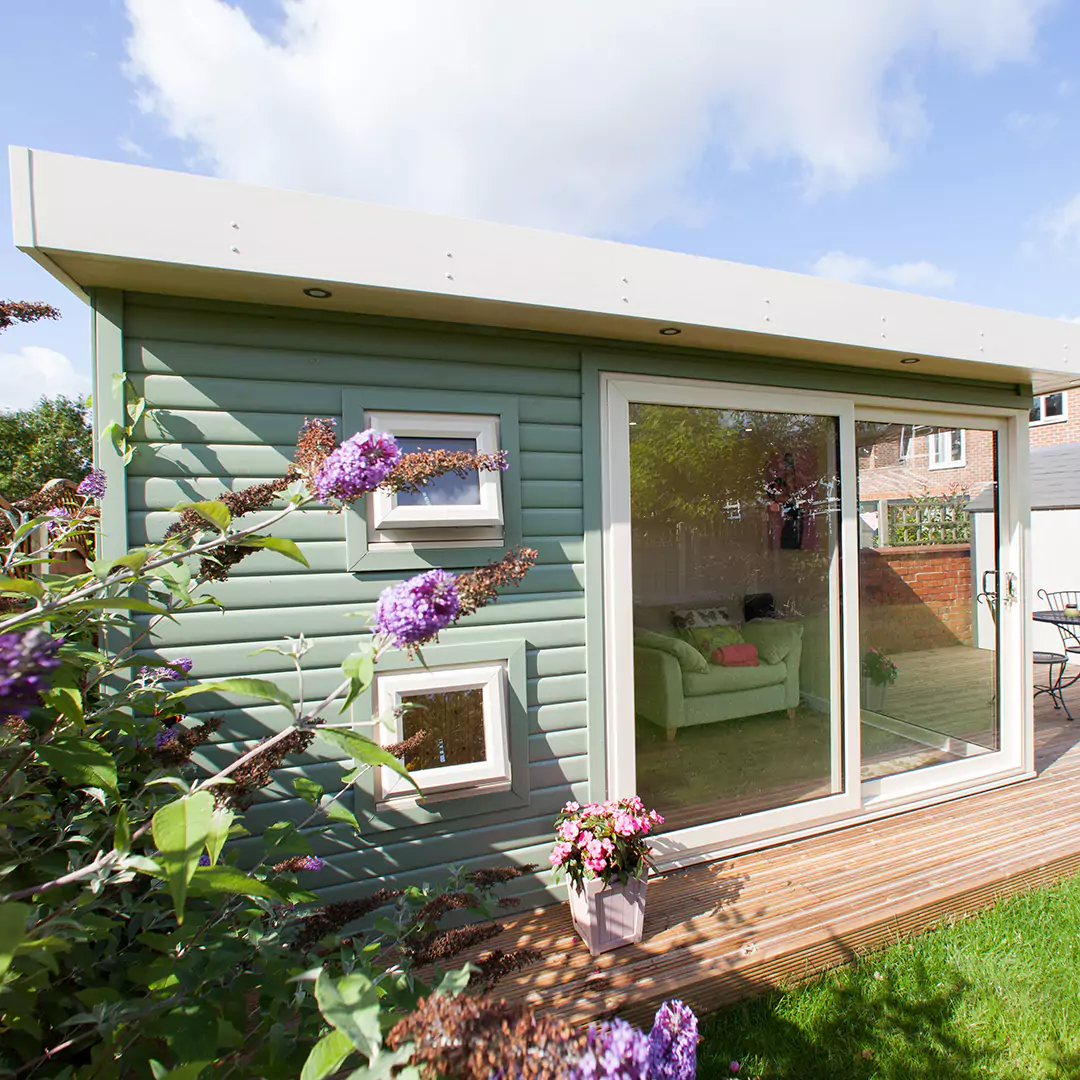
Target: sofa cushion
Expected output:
[726,680]
[688,618]
[774,638]
[707,639]
[690,660]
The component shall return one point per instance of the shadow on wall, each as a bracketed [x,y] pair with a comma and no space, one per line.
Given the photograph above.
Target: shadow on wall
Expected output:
[915,598]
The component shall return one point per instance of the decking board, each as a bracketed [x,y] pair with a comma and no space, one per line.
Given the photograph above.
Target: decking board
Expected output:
[719,931]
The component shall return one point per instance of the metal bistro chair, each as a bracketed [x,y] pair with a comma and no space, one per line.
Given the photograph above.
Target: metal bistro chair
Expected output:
[1059,601]
[1049,660]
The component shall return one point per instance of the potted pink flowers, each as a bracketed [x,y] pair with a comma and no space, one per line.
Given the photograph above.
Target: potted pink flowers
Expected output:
[602,850]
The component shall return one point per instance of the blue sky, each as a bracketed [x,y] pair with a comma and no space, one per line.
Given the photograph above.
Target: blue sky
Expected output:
[930,146]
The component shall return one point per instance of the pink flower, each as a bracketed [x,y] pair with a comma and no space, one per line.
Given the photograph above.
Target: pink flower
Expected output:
[560,854]
[568,830]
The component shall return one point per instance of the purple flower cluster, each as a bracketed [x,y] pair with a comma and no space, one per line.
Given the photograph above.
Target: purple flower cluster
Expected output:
[357,466]
[616,1050]
[59,519]
[93,484]
[166,736]
[673,1043]
[25,663]
[310,862]
[416,610]
[174,669]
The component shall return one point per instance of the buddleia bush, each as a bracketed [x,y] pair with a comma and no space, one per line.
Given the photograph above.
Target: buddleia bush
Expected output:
[136,937]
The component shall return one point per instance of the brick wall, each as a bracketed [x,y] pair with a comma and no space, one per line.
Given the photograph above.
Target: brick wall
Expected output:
[915,598]
[883,475]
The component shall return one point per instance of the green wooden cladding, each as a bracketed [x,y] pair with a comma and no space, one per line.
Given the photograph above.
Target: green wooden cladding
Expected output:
[228,387]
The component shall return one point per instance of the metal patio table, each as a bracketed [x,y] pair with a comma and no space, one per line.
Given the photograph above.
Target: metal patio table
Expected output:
[1069,628]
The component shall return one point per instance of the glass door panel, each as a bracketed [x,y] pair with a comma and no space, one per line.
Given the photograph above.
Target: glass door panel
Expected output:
[735,524]
[928,594]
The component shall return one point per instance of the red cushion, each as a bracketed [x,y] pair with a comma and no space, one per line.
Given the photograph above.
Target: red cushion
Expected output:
[742,655]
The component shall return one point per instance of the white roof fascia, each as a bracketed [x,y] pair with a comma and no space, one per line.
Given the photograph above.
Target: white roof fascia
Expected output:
[20,163]
[110,225]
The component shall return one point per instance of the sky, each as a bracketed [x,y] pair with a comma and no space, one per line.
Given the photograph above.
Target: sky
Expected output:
[924,145]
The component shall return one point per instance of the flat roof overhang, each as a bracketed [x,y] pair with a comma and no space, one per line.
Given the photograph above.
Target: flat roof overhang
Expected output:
[97,224]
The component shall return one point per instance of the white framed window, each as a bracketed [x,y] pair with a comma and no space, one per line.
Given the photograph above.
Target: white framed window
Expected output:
[463,712]
[947,449]
[449,502]
[1050,409]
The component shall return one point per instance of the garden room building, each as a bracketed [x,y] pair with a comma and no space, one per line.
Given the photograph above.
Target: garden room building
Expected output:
[703,454]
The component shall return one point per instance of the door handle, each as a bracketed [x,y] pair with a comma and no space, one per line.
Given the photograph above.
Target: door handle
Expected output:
[1011,591]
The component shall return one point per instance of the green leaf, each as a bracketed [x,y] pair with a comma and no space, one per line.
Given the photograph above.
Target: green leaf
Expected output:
[364,752]
[455,982]
[278,544]
[180,829]
[118,380]
[65,694]
[220,824]
[135,409]
[116,603]
[211,511]
[12,931]
[27,586]
[385,1066]
[122,836]
[262,689]
[308,790]
[351,1004]
[227,879]
[115,433]
[283,838]
[133,560]
[327,1056]
[189,1070]
[81,762]
[359,669]
[336,812]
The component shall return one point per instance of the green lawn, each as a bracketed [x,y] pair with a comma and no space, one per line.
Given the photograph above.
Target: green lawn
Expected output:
[997,996]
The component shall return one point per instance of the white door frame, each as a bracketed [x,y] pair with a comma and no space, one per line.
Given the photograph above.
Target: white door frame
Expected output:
[617,392]
[854,800]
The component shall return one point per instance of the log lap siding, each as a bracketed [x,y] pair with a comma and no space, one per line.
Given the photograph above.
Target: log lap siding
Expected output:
[227,389]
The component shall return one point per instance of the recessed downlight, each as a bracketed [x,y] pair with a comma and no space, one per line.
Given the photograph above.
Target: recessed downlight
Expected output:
[318,294]
[911,360]
[670,331]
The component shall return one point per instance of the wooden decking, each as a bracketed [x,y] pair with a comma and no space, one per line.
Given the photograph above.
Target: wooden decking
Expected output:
[723,930]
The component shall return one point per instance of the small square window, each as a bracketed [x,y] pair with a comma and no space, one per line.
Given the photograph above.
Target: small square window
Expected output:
[1050,409]
[947,449]
[463,713]
[449,502]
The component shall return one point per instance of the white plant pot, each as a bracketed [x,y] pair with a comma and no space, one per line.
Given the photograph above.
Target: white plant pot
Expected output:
[873,695]
[607,916]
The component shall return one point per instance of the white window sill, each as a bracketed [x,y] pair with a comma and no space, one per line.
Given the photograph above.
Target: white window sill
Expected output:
[948,465]
[1047,422]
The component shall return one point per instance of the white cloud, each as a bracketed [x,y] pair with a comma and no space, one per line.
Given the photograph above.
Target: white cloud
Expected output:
[1037,125]
[35,372]
[919,276]
[596,117]
[1064,222]
[130,146]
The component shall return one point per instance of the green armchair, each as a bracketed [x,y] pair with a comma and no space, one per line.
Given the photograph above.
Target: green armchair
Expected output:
[673,689]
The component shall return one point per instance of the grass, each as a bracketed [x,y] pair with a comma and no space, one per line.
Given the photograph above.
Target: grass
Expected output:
[993,996]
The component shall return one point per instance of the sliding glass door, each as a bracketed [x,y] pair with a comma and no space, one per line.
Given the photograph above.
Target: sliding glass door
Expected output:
[727,516]
[806,607]
[938,597]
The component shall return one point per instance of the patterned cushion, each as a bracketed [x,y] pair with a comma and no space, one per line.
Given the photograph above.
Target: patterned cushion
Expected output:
[707,639]
[691,618]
